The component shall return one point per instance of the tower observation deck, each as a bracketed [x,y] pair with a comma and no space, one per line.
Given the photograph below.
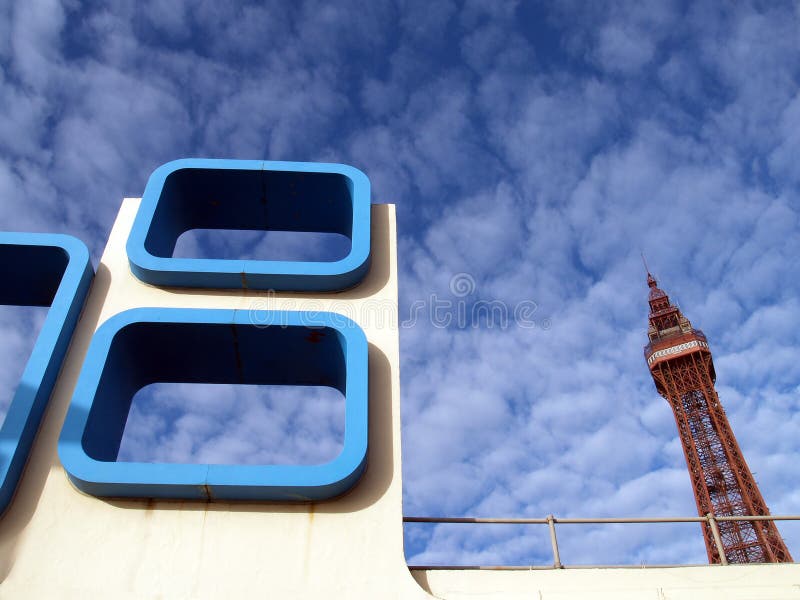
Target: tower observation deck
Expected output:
[682,368]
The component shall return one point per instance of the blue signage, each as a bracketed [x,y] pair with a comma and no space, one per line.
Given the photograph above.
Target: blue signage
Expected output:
[38,270]
[251,195]
[142,346]
[147,345]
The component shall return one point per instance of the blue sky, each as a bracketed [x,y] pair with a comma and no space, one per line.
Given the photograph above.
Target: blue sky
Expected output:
[537,148]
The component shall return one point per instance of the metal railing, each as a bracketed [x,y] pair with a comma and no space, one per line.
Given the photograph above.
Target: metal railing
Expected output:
[551,521]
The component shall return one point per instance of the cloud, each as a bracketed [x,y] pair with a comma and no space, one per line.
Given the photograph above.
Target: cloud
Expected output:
[226,424]
[35,40]
[19,326]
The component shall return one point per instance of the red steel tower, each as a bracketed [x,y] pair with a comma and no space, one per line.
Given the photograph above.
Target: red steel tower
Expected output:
[680,362]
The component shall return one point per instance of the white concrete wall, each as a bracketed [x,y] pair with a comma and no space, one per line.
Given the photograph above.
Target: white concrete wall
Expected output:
[743,582]
[58,543]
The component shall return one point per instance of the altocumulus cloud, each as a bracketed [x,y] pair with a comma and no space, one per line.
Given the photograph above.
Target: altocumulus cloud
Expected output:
[537,149]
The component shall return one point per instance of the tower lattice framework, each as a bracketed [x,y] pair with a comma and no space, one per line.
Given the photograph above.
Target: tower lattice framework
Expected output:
[681,365]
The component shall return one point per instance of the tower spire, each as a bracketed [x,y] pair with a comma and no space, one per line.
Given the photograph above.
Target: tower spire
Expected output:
[651,281]
[683,371]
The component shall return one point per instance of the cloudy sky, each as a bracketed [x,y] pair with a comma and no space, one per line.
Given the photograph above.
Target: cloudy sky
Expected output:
[532,150]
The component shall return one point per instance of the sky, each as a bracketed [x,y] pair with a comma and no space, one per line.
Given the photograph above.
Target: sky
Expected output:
[533,151]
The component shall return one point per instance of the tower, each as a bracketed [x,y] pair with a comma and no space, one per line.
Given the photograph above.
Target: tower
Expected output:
[682,368]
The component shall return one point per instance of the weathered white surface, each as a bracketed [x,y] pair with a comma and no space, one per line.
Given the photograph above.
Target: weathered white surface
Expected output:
[58,543]
[768,582]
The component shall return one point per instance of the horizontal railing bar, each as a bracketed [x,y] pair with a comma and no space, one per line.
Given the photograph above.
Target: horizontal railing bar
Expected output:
[760,518]
[522,521]
[473,520]
[710,519]
[601,520]
[598,520]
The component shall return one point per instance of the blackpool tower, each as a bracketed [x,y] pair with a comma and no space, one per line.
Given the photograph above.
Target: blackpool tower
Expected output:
[680,362]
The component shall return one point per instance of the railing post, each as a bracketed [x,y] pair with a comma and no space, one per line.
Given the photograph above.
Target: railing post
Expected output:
[712,522]
[551,523]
